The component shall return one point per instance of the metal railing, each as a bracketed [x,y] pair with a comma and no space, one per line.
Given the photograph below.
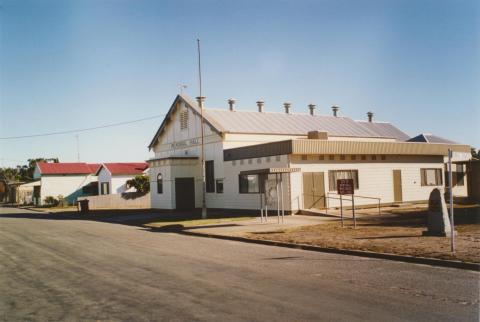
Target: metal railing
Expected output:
[351,199]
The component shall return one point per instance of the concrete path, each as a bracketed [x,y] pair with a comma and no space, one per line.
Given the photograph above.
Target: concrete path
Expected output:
[75,270]
[238,228]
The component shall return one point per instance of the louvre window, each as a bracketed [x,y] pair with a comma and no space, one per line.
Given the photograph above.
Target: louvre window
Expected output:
[210,176]
[104,188]
[334,175]
[184,120]
[431,177]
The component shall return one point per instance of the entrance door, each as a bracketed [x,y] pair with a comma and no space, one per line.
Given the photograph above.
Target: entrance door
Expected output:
[313,190]
[397,186]
[184,193]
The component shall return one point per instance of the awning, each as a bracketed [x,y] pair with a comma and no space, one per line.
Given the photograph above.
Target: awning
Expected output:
[270,171]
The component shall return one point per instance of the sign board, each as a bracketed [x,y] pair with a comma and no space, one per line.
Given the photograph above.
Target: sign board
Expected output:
[345,186]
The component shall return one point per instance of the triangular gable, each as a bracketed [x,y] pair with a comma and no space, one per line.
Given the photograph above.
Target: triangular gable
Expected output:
[192,106]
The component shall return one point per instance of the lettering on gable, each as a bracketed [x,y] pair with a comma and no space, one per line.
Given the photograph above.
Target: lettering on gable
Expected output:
[185,143]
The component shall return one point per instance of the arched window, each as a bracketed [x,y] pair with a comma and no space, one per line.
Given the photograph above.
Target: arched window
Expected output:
[159,183]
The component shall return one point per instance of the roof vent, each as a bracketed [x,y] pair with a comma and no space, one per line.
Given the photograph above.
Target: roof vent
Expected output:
[260,105]
[200,101]
[335,110]
[287,106]
[370,116]
[311,107]
[317,135]
[231,104]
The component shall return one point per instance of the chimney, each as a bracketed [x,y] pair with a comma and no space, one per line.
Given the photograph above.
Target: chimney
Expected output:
[231,104]
[335,110]
[311,107]
[287,107]
[370,116]
[260,104]
[200,100]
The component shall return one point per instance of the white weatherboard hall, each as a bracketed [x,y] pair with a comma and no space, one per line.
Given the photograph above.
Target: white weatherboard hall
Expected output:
[246,151]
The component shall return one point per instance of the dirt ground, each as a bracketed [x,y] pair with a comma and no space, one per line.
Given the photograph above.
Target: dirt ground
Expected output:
[398,232]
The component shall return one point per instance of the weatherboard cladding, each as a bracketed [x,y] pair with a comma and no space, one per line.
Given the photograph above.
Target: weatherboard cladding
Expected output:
[301,146]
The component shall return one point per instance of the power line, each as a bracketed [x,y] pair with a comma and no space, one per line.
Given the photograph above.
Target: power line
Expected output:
[81,130]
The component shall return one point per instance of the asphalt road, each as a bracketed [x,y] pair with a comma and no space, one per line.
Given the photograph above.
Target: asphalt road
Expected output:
[70,270]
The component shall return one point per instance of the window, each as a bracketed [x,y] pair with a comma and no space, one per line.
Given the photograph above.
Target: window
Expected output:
[364,157]
[234,162]
[104,188]
[458,175]
[374,157]
[250,161]
[353,157]
[331,157]
[278,158]
[259,160]
[210,176]
[219,185]
[304,157]
[159,183]
[321,157]
[334,175]
[184,120]
[383,157]
[268,159]
[248,183]
[342,157]
[431,177]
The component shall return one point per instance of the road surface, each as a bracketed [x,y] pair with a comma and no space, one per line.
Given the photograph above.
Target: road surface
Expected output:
[70,270]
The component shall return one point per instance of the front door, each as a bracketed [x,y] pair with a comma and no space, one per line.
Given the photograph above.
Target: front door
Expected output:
[313,190]
[397,186]
[185,193]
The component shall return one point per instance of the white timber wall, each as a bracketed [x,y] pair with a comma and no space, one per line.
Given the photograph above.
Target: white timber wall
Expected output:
[232,197]
[65,185]
[375,177]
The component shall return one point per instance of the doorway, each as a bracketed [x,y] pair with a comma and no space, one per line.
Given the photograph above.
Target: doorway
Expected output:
[397,186]
[313,190]
[184,193]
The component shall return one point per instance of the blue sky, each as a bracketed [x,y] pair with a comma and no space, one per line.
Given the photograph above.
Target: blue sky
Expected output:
[75,64]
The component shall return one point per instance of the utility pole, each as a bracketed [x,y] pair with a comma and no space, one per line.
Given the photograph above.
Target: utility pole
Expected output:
[200,101]
[450,190]
[78,147]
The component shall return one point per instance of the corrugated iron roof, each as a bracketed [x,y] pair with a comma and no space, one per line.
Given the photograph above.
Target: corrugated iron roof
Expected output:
[250,122]
[385,129]
[430,138]
[66,168]
[129,168]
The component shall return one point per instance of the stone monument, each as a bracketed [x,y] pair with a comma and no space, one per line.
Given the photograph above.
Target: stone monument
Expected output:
[438,223]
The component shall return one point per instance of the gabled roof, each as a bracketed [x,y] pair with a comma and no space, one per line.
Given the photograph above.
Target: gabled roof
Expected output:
[430,138]
[249,122]
[125,168]
[66,168]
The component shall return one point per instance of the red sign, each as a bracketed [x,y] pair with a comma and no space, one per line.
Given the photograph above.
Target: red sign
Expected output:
[345,186]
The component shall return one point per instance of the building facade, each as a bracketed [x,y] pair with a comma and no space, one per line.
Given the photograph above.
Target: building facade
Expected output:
[243,149]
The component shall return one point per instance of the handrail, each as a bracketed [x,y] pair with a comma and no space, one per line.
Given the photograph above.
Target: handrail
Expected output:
[365,197]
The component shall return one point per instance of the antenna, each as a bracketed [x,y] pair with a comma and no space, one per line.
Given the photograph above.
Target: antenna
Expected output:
[182,87]
[78,147]
[200,100]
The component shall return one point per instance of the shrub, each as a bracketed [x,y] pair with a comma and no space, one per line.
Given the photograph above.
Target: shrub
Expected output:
[140,182]
[51,201]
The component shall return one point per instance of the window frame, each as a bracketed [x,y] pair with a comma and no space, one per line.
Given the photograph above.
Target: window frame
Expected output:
[219,185]
[210,176]
[438,177]
[159,183]
[102,190]
[241,188]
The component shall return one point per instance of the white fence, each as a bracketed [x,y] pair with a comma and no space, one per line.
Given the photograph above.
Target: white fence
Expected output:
[127,200]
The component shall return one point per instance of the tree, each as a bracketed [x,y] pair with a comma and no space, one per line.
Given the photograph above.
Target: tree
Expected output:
[140,182]
[475,153]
